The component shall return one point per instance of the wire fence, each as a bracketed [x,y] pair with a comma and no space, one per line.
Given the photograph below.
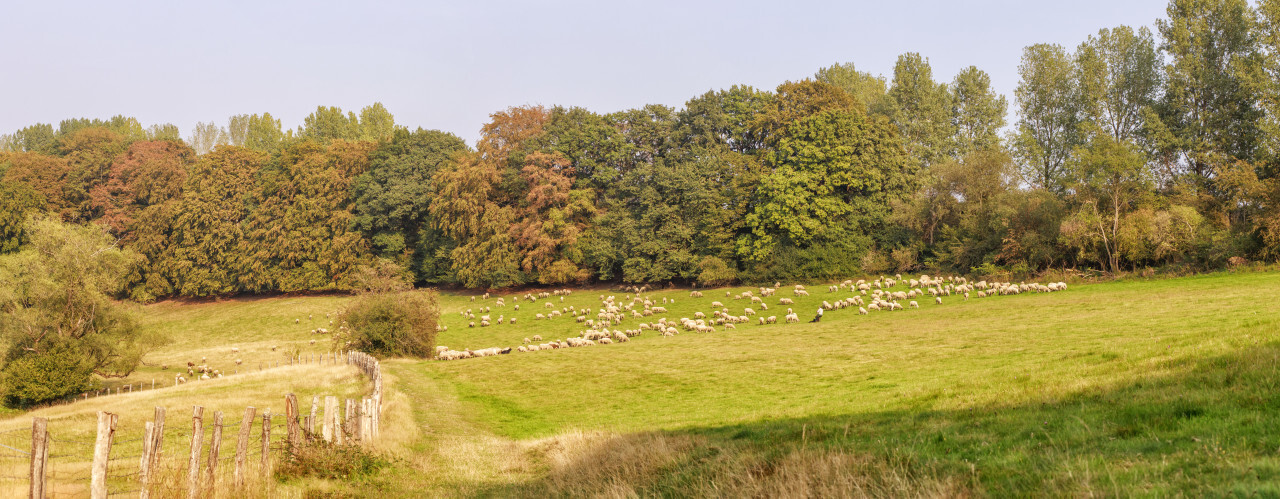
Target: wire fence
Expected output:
[80,455]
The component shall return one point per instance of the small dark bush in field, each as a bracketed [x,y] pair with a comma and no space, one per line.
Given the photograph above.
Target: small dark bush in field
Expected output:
[393,324]
[326,460]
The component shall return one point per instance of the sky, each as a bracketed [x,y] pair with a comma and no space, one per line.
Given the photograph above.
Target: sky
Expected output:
[448,65]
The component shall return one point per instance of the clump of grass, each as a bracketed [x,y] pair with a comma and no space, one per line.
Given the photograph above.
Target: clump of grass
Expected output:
[330,461]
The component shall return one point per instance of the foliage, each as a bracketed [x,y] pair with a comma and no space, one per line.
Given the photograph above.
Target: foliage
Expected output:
[319,459]
[57,315]
[390,324]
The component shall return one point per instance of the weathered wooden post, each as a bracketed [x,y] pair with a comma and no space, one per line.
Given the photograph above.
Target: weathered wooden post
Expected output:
[311,423]
[215,446]
[242,445]
[144,466]
[291,420]
[350,423]
[193,464]
[330,418]
[266,444]
[39,456]
[101,455]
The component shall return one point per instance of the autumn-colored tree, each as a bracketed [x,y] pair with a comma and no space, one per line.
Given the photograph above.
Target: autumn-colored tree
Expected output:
[551,220]
[45,174]
[149,173]
[89,153]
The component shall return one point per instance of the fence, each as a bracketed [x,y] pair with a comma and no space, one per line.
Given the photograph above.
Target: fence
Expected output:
[136,461]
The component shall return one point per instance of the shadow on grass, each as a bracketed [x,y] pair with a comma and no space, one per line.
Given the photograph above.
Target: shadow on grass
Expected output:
[1212,430]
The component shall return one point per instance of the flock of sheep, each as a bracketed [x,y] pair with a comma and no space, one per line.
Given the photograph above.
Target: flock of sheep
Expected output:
[883,294]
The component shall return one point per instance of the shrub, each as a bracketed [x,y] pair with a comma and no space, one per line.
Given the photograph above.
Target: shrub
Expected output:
[325,460]
[715,272]
[52,374]
[392,324]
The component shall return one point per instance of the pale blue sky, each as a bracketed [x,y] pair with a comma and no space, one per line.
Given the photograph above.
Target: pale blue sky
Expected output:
[447,65]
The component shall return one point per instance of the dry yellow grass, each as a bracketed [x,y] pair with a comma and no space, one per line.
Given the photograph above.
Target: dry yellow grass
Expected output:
[73,428]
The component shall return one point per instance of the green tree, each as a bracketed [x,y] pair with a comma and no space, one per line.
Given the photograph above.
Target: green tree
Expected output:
[1265,79]
[328,123]
[1048,115]
[834,175]
[17,202]
[205,136]
[1210,110]
[262,133]
[376,123]
[392,201]
[299,235]
[57,316]
[1109,178]
[1119,78]
[921,109]
[723,117]
[977,112]
[39,137]
[794,101]
[206,254]
[868,91]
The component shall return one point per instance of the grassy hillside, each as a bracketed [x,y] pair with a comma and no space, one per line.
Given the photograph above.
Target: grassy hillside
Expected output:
[1157,387]
[1161,387]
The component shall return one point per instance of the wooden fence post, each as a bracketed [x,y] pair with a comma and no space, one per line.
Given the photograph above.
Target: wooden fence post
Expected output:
[151,453]
[101,455]
[197,438]
[311,423]
[349,424]
[242,445]
[266,444]
[144,467]
[330,418]
[366,419]
[215,445]
[291,420]
[39,456]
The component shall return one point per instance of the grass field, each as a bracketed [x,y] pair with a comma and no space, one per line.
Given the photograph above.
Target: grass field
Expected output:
[1145,387]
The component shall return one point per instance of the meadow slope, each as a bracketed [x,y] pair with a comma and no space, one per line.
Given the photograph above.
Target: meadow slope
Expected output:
[1139,387]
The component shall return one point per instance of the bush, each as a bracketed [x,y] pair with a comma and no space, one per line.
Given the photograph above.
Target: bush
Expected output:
[325,460]
[393,324]
[715,272]
[52,374]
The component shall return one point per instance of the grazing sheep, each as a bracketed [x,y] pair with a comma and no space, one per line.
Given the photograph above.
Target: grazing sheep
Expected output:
[773,319]
[862,311]
[716,304]
[914,304]
[937,300]
[522,348]
[730,326]
[748,311]
[786,301]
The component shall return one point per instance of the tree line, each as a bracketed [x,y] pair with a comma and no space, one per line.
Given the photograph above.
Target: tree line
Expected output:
[1138,148]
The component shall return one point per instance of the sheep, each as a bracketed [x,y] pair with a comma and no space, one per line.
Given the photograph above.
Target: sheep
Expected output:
[605,341]
[695,294]
[471,324]
[773,319]
[913,304]
[659,310]
[801,292]
[522,348]
[748,311]
[937,300]
[862,311]
[785,301]
[238,362]
[716,304]
[730,326]
[512,320]
[537,337]
[792,317]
